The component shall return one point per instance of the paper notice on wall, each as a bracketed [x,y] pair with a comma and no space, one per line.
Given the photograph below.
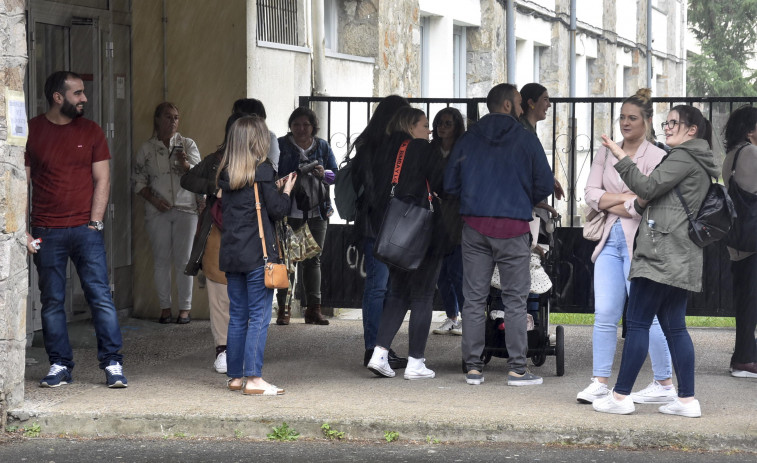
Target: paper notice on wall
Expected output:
[15,110]
[120,87]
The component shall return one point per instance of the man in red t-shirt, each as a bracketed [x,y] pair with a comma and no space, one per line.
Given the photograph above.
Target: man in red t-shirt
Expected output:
[68,165]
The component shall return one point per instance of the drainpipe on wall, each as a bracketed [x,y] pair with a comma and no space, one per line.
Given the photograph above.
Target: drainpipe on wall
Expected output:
[165,53]
[510,34]
[572,77]
[649,44]
[319,61]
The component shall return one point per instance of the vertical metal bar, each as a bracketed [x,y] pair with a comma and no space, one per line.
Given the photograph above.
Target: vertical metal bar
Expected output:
[328,112]
[572,177]
[591,134]
[349,116]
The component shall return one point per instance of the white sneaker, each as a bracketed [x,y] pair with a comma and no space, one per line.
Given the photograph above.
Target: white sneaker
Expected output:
[445,327]
[595,390]
[416,369]
[457,329]
[220,363]
[655,393]
[690,410]
[379,363]
[608,404]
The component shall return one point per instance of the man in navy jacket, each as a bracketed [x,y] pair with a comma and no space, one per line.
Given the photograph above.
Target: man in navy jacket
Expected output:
[499,171]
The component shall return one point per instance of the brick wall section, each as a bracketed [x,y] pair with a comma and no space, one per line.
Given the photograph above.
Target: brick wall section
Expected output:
[13,268]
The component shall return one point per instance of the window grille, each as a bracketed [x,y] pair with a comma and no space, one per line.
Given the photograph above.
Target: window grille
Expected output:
[277,21]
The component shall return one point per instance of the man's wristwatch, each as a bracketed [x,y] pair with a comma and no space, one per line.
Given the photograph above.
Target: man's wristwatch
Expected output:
[96,224]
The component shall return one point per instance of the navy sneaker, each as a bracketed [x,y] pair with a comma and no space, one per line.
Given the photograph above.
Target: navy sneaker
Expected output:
[57,376]
[114,374]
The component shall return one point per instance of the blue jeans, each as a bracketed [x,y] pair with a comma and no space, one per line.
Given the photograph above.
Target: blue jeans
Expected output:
[374,292]
[450,282]
[646,299]
[611,287]
[86,248]
[249,316]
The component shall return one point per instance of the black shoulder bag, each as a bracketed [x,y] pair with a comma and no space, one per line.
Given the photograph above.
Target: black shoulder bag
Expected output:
[405,233]
[743,234]
[715,216]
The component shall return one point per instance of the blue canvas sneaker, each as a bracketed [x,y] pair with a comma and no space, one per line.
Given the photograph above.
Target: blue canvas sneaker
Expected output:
[57,376]
[114,374]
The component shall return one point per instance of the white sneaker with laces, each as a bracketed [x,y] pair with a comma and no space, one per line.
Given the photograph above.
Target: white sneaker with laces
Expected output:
[220,363]
[445,327]
[689,410]
[608,404]
[457,328]
[379,363]
[655,393]
[595,390]
[416,369]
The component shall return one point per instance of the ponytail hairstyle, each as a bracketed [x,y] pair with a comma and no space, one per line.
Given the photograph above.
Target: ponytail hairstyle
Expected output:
[404,120]
[740,123]
[691,116]
[533,92]
[247,146]
[643,100]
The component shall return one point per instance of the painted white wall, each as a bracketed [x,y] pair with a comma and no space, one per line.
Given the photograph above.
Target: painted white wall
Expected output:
[462,12]
[590,12]
[626,21]
[660,31]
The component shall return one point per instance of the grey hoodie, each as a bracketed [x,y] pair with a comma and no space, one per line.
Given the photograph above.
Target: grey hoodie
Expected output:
[663,252]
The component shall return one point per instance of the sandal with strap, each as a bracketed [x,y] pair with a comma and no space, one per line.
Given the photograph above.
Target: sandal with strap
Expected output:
[234,387]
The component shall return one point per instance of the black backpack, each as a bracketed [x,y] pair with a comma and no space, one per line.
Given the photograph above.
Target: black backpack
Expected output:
[742,235]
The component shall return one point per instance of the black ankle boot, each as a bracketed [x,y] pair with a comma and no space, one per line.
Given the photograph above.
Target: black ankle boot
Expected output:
[395,361]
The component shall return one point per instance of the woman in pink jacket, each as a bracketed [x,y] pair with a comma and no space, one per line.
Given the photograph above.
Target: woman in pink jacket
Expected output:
[612,256]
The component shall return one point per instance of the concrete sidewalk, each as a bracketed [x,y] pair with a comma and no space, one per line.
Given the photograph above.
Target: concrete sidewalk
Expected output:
[173,391]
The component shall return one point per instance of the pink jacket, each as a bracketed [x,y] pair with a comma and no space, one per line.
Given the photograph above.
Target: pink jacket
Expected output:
[603,178]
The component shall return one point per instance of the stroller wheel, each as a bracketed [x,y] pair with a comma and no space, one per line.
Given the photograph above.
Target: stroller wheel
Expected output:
[486,357]
[465,367]
[539,358]
[560,350]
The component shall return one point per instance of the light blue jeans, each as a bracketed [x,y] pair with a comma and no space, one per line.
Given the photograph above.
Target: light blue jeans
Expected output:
[249,317]
[611,287]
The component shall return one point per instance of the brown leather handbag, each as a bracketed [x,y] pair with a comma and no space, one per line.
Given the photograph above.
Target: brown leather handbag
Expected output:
[276,276]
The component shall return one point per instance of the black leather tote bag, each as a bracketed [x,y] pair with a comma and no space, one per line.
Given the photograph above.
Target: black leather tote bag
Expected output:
[405,233]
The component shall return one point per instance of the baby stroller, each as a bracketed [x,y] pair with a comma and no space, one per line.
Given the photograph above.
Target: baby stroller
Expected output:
[540,342]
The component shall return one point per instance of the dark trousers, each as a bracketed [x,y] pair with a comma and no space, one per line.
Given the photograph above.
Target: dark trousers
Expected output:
[646,299]
[745,304]
[410,290]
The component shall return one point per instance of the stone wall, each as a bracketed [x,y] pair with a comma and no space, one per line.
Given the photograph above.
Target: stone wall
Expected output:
[486,66]
[358,27]
[13,269]
[398,64]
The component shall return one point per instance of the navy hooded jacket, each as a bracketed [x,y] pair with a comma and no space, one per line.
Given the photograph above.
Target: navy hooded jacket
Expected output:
[498,169]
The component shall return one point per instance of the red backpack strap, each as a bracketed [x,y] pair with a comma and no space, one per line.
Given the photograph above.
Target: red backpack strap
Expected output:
[398,164]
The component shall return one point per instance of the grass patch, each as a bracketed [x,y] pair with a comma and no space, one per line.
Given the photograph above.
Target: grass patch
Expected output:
[694,322]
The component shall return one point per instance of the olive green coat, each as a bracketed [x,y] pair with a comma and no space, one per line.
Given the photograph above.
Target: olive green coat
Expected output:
[665,253]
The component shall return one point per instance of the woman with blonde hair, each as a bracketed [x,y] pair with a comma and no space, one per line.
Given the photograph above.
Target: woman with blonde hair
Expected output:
[407,289]
[244,176]
[606,191]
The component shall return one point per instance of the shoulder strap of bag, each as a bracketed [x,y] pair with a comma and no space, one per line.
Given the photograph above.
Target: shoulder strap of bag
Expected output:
[736,158]
[398,168]
[685,206]
[260,223]
[260,227]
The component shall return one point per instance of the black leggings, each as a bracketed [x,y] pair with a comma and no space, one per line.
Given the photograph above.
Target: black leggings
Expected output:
[410,290]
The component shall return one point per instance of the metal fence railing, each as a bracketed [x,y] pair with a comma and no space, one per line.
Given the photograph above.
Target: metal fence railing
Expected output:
[571,137]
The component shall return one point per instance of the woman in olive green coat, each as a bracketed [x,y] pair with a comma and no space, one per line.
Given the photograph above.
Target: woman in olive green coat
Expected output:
[666,263]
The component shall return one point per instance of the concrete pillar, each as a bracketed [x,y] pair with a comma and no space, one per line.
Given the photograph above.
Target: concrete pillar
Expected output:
[486,66]
[13,268]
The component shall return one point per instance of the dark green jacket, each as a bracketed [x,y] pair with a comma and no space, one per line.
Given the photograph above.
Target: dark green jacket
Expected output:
[665,253]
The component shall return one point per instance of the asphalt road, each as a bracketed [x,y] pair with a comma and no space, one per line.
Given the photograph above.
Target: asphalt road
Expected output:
[311,451]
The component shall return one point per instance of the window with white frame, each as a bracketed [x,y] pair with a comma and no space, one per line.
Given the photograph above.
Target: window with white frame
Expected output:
[277,21]
[459,58]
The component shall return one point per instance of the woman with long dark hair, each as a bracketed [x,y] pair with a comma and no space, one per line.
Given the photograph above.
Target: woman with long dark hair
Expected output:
[447,127]
[366,147]
[666,263]
[741,138]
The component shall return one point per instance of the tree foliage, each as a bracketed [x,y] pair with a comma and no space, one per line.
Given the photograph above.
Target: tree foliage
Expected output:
[727,32]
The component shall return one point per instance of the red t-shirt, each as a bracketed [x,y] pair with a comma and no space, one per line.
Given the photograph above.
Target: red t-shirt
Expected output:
[60,158]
